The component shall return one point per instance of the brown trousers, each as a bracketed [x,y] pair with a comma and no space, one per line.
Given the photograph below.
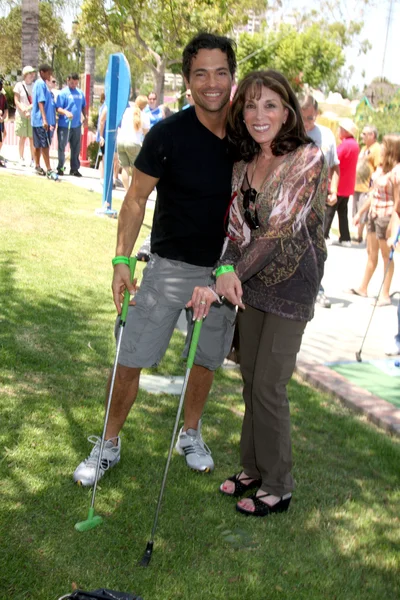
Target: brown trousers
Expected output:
[268,348]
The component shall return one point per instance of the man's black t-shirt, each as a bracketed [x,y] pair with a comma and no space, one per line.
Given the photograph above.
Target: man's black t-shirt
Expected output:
[194,189]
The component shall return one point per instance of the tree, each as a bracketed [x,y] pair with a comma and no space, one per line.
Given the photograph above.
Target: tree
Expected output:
[386,118]
[53,41]
[303,57]
[30,32]
[155,33]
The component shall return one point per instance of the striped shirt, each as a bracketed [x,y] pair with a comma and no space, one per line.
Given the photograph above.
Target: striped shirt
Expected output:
[383,193]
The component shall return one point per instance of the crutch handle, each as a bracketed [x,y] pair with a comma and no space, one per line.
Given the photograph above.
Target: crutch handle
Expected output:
[127,296]
[193,344]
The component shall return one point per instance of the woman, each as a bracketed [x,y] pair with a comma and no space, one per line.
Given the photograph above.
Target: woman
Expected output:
[380,206]
[23,103]
[134,126]
[271,267]
[393,348]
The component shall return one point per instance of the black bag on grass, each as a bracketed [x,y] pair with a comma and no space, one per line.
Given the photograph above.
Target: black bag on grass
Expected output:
[101,594]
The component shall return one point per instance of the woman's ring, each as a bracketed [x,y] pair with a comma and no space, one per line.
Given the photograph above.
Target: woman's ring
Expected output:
[203,302]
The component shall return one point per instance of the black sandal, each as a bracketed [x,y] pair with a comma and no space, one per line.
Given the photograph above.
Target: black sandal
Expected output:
[262,509]
[240,487]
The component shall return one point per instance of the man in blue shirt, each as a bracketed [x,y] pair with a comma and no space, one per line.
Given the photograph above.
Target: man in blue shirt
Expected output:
[43,119]
[71,105]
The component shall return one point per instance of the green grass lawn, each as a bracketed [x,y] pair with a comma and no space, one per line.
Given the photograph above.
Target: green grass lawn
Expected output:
[340,540]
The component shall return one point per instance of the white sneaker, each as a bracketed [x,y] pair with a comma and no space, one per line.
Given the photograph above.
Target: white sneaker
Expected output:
[345,244]
[22,162]
[393,348]
[198,455]
[85,473]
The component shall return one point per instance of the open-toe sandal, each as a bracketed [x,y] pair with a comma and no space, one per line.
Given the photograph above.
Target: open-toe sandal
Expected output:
[262,509]
[240,485]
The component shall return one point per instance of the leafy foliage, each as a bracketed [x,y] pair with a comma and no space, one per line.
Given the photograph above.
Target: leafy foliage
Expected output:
[305,57]
[155,33]
[51,35]
[386,118]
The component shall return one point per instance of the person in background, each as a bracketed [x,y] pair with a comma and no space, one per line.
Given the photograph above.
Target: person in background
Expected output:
[347,151]
[102,140]
[71,107]
[189,100]
[52,85]
[134,126]
[393,230]
[393,348]
[23,103]
[323,137]
[271,268]
[380,204]
[3,117]
[156,113]
[368,161]
[43,119]
[99,139]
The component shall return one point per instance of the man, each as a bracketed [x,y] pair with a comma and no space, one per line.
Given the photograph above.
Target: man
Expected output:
[324,139]
[155,112]
[43,119]
[3,117]
[368,161]
[52,85]
[347,151]
[71,106]
[23,103]
[189,100]
[186,157]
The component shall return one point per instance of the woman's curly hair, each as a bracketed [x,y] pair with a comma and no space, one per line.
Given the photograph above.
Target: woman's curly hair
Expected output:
[292,133]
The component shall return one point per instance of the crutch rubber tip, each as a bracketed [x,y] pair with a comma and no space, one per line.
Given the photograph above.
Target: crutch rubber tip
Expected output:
[358,357]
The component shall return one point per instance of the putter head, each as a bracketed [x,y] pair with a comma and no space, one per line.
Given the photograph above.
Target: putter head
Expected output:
[147,555]
[358,357]
[91,522]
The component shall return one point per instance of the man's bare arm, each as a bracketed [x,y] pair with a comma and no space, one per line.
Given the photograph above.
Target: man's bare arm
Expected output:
[129,223]
[334,173]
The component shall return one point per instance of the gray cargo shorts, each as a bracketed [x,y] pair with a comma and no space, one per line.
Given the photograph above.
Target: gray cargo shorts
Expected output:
[166,287]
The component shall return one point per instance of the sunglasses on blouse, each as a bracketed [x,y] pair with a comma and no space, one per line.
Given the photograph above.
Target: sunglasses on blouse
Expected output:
[250,212]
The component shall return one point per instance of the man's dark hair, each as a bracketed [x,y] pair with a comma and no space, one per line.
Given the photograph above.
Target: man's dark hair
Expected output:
[74,76]
[208,41]
[45,68]
[292,133]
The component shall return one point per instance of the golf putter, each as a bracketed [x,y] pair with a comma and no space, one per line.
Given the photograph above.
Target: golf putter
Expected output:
[94,520]
[192,353]
[358,354]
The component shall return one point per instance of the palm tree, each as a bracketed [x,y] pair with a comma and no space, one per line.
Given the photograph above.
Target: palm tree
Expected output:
[30,32]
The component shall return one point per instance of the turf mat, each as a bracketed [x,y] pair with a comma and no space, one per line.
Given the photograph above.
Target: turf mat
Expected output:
[381,378]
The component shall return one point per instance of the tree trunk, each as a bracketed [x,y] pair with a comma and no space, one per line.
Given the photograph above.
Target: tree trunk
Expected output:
[30,33]
[90,63]
[159,82]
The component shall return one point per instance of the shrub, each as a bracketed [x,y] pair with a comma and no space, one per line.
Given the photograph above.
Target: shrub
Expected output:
[92,151]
